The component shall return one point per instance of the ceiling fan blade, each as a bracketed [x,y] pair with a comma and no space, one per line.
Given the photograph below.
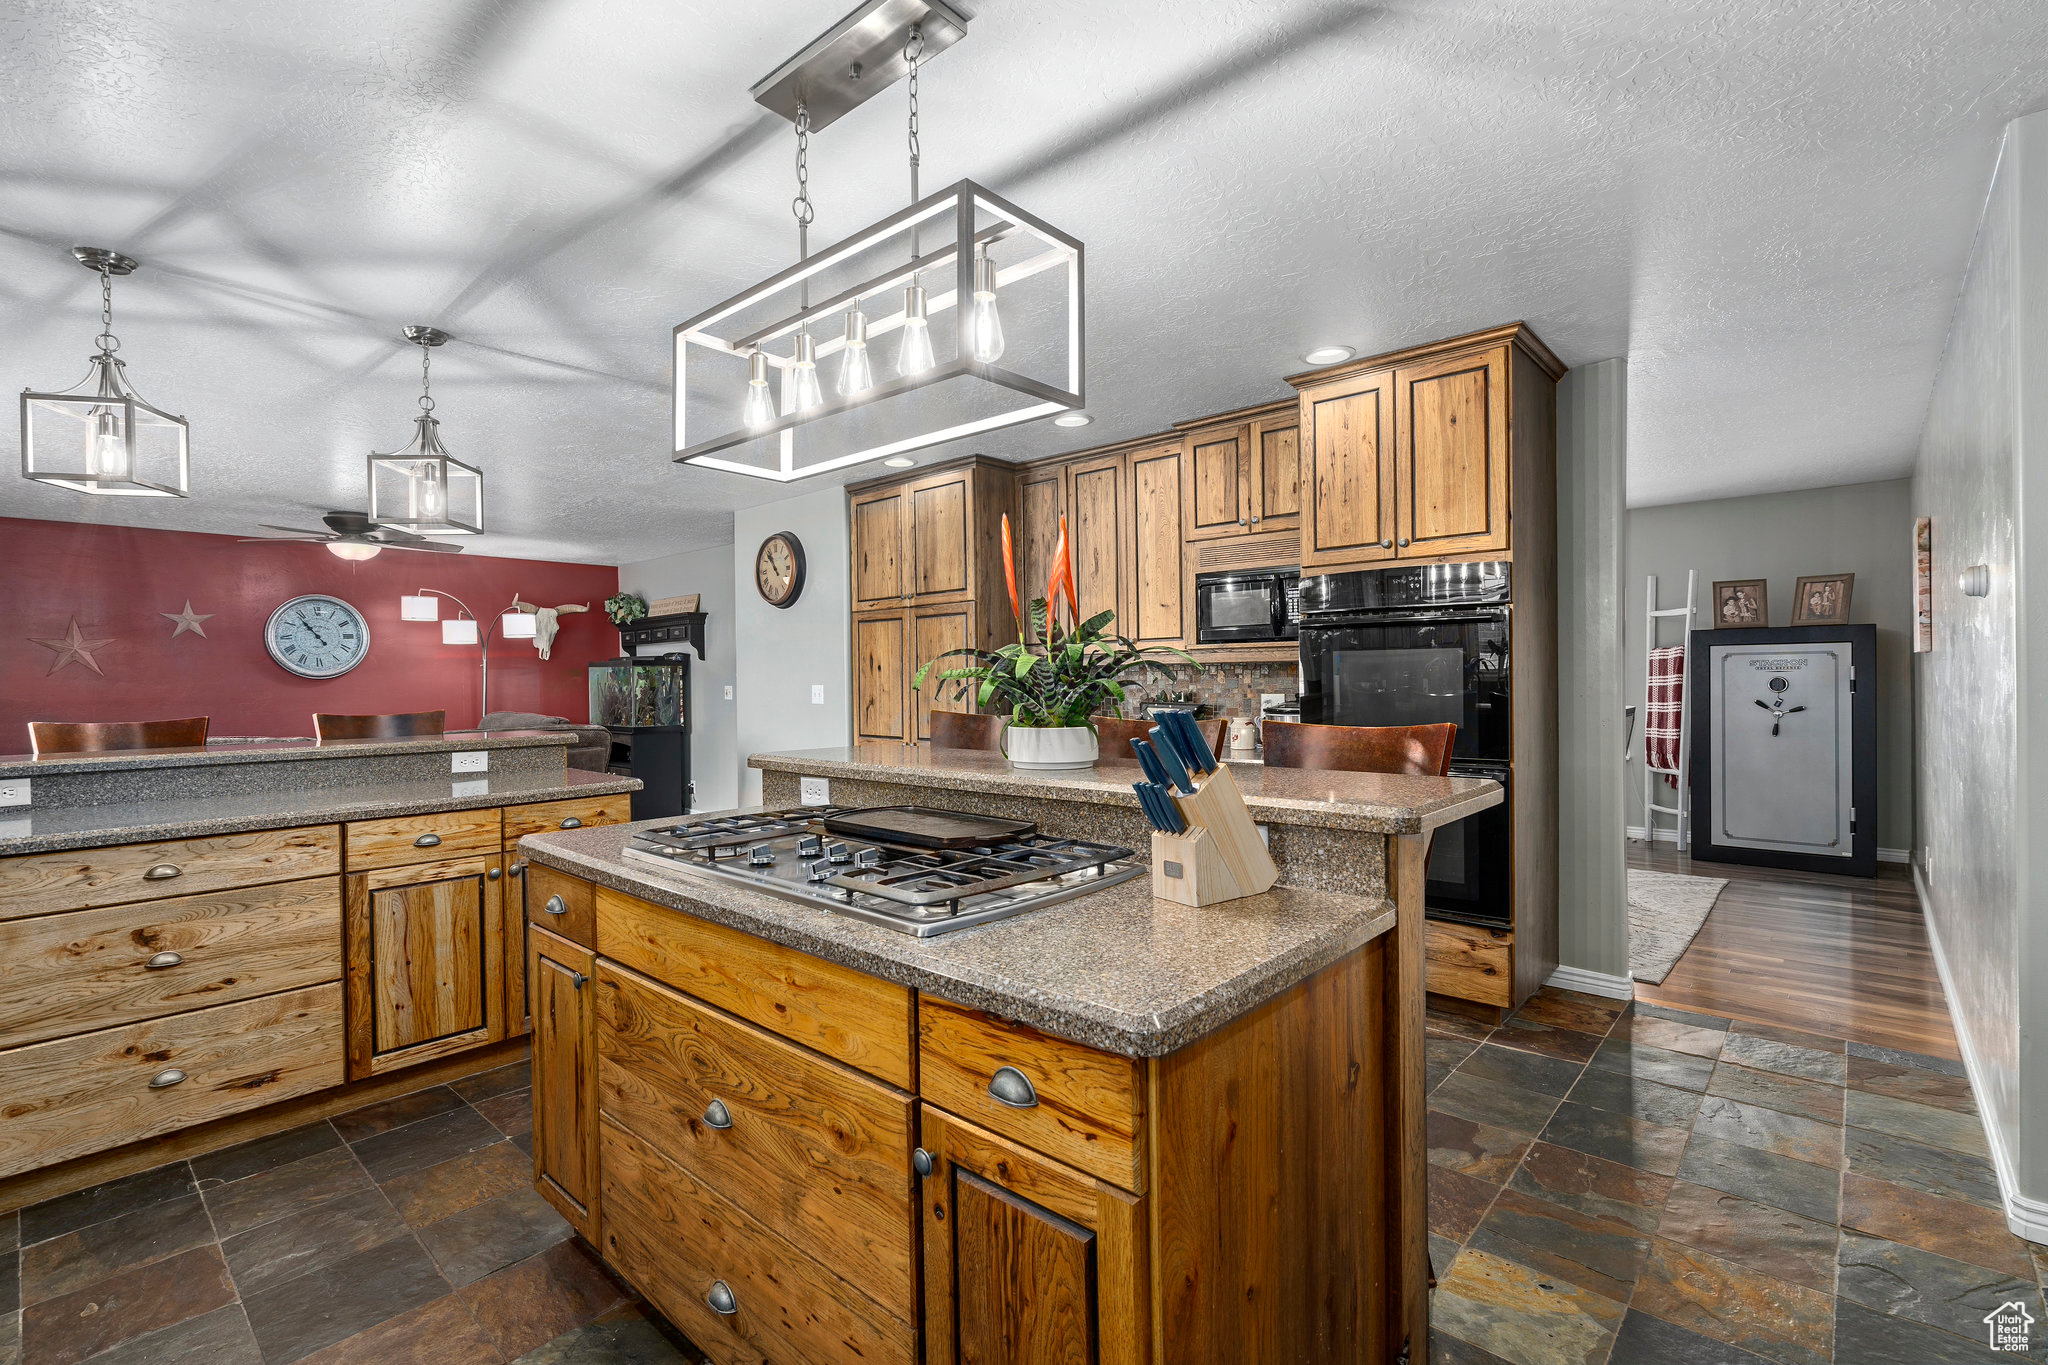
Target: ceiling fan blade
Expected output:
[391,535]
[433,545]
[296,530]
[285,540]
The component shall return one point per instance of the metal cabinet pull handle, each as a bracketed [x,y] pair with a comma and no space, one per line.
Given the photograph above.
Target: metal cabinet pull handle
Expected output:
[921,1162]
[572,823]
[1012,1087]
[163,872]
[1255,521]
[1386,545]
[716,1115]
[721,1300]
[427,841]
[1240,521]
[164,1080]
[556,906]
[576,980]
[1404,542]
[163,960]
[516,870]
[493,874]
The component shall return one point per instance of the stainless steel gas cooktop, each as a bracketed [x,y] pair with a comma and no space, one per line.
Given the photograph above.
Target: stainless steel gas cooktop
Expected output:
[903,886]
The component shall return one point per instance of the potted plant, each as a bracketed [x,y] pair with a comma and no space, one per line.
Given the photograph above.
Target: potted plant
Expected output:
[625,608]
[1050,689]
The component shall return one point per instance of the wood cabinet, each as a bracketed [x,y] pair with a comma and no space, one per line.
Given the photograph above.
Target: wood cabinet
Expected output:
[1027,1262]
[565,1077]
[1348,458]
[1241,475]
[882,709]
[1092,493]
[934,630]
[1153,614]
[880,555]
[42,883]
[425,962]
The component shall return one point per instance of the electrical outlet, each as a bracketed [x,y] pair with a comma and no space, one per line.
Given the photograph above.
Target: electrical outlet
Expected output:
[476,786]
[817,694]
[1268,700]
[728,691]
[815,791]
[1265,834]
[14,791]
[475,762]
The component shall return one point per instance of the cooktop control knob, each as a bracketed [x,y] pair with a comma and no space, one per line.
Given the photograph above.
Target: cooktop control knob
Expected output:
[721,852]
[762,856]
[839,853]
[821,871]
[868,857]
[810,846]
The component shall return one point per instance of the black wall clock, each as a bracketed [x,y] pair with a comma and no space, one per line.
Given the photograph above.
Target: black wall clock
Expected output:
[779,569]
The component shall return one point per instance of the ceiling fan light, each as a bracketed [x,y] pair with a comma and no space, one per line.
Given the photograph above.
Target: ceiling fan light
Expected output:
[353,550]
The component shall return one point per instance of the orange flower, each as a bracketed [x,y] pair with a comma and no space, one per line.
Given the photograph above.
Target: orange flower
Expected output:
[1062,580]
[1010,573]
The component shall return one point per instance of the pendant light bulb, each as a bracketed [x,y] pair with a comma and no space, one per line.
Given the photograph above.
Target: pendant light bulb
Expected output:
[803,375]
[984,323]
[760,409]
[915,357]
[106,455]
[433,495]
[856,370]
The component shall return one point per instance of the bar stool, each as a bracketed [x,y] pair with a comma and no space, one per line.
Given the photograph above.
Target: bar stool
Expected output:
[107,736]
[399,725]
[961,730]
[1407,750]
[1116,734]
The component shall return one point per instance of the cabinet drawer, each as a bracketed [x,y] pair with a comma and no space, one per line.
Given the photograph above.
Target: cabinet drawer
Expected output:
[1082,1106]
[818,1154]
[92,969]
[584,812]
[847,1015]
[561,904]
[93,1091]
[422,838]
[683,1245]
[1468,963]
[39,883]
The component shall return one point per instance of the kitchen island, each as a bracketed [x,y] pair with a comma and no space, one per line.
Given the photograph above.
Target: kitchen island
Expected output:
[1114,1128]
[200,946]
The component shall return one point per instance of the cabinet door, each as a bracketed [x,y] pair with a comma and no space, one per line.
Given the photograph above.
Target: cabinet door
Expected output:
[1042,496]
[1098,536]
[1451,477]
[1348,427]
[939,529]
[565,1078]
[518,946]
[880,573]
[881,678]
[1153,611]
[1275,483]
[933,631]
[425,952]
[1215,474]
[1025,1261]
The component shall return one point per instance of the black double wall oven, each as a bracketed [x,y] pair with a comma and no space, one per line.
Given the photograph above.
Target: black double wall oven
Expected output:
[1423,645]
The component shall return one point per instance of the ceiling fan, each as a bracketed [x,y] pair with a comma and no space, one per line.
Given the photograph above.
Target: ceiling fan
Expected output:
[352,535]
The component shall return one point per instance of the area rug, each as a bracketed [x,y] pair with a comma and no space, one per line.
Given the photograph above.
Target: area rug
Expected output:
[1665,912]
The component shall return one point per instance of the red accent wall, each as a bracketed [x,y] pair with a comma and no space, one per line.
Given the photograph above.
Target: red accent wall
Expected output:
[116,580]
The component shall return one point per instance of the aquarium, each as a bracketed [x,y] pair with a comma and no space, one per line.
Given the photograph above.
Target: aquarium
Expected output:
[638,693]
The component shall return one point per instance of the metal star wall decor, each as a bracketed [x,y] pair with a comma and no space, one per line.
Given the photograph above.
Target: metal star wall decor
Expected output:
[188,620]
[74,647]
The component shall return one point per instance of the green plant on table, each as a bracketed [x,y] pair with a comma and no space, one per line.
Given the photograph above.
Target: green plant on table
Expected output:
[1076,668]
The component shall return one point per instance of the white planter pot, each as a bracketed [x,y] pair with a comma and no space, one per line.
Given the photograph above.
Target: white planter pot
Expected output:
[1049,748]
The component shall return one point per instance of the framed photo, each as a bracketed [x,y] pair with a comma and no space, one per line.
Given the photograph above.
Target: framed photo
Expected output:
[1822,599]
[1923,585]
[1742,602]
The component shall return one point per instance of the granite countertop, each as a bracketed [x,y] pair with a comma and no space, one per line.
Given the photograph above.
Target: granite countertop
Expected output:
[29,830]
[1377,803]
[1116,970]
[275,750]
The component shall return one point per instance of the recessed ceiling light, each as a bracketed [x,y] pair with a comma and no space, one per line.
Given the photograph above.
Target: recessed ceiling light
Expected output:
[1329,355]
[1072,419]
[899,462]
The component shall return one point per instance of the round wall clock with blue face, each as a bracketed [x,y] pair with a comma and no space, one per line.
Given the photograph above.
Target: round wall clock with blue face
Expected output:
[317,636]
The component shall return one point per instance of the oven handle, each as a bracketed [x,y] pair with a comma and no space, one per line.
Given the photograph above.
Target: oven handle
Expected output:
[1317,621]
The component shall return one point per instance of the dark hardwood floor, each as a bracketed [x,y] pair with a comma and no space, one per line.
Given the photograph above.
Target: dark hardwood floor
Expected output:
[1843,956]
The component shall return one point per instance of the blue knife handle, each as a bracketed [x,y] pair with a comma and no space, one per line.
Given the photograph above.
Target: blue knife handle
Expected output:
[1193,748]
[1148,801]
[1176,823]
[1149,761]
[1169,759]
[1169,735]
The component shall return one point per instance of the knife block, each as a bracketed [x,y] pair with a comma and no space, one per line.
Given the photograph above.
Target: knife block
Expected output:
[1221,856]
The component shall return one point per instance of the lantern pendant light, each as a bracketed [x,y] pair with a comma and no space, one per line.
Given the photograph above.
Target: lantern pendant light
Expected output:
[422,488]
[99,436]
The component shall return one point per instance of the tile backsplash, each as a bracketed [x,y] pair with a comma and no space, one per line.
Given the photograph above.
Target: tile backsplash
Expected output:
[1232,689]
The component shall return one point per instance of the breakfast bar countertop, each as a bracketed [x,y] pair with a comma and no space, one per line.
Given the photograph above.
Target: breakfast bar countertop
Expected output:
[1115,969]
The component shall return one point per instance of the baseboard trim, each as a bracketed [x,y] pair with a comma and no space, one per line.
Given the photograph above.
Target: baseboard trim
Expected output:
[1670,836]
[2025,1216]
[1895,855]
[1592,983]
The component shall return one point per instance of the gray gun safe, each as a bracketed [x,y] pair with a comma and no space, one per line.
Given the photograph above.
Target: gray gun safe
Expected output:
[1784,747]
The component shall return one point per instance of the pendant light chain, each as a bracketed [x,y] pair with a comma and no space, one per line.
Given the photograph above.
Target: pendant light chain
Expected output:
[426,375]
[109,343]
[912,51]
[801,206]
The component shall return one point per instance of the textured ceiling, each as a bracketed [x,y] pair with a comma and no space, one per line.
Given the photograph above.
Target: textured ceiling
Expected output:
[1766,207]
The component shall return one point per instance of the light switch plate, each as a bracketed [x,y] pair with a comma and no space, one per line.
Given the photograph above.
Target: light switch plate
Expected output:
[474,762]
[815,791]
[14,791]
[728,691]
[817,694]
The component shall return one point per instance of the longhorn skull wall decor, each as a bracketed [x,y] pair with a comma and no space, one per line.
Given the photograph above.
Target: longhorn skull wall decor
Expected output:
[546,622]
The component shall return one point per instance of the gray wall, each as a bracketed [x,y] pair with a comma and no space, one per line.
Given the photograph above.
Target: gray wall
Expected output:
[783,653]
[1980,744]
[714,767]
[1592,476]
[1862,528]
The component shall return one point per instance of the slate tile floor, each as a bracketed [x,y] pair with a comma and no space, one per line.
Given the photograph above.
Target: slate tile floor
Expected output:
[404,1233]
[1624,1184]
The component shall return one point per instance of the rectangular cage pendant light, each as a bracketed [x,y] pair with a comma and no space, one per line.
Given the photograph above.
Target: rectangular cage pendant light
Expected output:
[977,262]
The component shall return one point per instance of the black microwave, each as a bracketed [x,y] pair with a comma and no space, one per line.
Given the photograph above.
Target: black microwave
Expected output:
[1247,607]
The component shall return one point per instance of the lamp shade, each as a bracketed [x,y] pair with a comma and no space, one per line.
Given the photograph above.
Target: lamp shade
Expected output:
[460,630]
[100,438]
[519,625]
[421,608]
